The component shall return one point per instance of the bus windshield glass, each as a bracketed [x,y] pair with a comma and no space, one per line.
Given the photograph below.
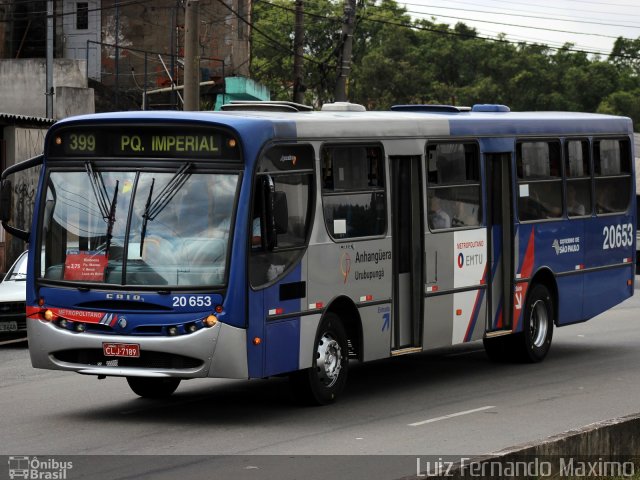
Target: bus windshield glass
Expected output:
[141,228]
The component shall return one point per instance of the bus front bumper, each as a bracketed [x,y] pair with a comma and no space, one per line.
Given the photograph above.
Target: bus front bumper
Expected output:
[219,351]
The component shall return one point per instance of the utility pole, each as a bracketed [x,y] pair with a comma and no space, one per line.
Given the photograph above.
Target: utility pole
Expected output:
[347,39]
[298,51]
[49,83]
[117,12]
[191,56]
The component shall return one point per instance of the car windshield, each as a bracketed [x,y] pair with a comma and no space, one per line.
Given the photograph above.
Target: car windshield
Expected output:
[137,228]
[18,270]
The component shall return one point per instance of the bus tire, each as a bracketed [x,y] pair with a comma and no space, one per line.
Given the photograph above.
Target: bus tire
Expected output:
[533,343]
[153,387]
[322,383]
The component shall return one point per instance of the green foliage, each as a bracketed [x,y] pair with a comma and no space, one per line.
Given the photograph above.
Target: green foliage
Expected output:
[398,60]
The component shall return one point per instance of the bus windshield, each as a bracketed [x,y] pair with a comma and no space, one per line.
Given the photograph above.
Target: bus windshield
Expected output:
[140,228]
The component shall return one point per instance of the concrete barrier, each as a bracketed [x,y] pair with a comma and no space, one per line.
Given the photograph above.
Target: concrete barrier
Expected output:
[610,448]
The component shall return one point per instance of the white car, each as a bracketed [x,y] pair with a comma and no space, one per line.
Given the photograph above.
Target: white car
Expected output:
[12,298]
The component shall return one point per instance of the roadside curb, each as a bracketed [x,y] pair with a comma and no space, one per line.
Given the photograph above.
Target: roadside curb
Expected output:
[606,448]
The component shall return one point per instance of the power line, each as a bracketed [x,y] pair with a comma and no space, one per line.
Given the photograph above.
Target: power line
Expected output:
[448,32]
[530,16]
[519,26]
[499,40]
[608,12]
[268,37]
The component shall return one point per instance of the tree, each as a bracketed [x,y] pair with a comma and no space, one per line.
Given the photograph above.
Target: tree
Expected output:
[400,60]
[623,103]
[626,55]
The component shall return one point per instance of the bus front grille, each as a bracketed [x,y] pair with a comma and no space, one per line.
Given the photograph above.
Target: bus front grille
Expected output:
[147,359]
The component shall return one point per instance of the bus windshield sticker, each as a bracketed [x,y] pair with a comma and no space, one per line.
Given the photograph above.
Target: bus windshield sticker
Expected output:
[85,266]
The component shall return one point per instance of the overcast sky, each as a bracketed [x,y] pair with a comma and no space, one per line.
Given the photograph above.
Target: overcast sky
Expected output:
[590,25]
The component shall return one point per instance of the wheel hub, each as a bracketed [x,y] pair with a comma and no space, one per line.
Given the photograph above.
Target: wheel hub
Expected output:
[329,360]
[539,323]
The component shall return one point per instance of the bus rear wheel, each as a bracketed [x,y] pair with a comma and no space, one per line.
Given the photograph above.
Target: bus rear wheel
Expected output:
[153,387]
[533,343]
[322,383]
[537,331]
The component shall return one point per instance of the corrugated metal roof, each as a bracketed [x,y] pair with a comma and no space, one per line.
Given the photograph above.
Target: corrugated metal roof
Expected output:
[12,118]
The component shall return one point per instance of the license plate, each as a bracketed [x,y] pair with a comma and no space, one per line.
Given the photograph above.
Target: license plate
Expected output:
[8,326]
[121,349]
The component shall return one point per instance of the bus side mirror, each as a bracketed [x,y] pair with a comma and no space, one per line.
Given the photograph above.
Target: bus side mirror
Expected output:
[14,197]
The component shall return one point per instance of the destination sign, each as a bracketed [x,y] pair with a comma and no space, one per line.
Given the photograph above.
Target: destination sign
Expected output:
[144,141]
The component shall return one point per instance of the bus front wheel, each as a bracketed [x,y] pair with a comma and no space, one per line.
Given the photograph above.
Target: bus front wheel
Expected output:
[322,383]
[153,387]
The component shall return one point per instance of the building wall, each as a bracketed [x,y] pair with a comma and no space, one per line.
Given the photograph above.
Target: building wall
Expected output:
[23,85]
[159,27]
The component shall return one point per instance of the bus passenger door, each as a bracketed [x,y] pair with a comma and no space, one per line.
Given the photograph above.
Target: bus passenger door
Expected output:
[500,243]
[407,231]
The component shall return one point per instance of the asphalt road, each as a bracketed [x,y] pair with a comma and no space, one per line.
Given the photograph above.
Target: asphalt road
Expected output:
[450,403]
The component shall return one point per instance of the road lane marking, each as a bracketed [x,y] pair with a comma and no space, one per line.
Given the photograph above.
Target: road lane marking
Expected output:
[451,415]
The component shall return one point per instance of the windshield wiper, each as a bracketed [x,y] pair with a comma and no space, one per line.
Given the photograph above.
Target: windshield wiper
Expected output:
[107,208]
[145,216]
[153,208]
[99,190]
[112,217]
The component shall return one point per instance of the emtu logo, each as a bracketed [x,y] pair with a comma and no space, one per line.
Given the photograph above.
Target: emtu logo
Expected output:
[345,265]
[460,260]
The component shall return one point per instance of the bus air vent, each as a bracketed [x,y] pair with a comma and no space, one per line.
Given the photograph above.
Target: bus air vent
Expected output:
[430,108]
[343,107]
[489,107]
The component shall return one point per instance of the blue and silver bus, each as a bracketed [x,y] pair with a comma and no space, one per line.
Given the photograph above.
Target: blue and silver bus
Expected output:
[269,240]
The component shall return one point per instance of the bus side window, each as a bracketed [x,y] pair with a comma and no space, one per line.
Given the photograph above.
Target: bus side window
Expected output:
[578,173]
[353,194]
[539,180]
[281,202]
[612,169]
[453,190]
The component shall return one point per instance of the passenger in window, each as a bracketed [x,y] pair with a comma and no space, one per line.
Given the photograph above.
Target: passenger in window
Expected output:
[574,207]
[438,218]
[544,206]
[603,202]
